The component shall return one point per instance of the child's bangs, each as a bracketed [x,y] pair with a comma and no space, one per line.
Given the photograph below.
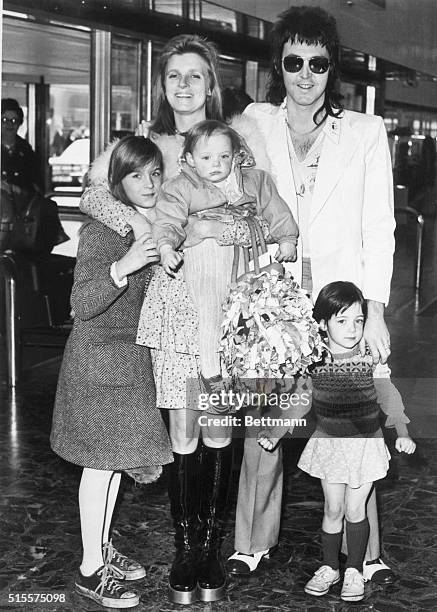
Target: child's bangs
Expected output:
[153,161]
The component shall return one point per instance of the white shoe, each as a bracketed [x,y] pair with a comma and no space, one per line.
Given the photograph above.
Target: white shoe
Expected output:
[239,563]
[322,581]
[378,572]
[353,585]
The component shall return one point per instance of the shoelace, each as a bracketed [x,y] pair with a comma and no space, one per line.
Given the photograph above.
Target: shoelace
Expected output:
[121,559]
[111,554]
[107,582]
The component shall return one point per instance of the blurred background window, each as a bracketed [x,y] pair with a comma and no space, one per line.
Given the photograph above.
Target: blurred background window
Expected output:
[218,16]
[171,7]
[125,79]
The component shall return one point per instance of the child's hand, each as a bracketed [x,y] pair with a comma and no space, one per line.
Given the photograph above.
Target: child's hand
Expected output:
[198,229]
[170,259]
[265,440]
[405,444]
[286,252]
[141,253]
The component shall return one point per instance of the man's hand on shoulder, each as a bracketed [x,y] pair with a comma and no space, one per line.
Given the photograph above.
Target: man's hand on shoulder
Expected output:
[376,334]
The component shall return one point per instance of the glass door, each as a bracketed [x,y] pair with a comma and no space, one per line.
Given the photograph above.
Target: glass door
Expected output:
[46,68]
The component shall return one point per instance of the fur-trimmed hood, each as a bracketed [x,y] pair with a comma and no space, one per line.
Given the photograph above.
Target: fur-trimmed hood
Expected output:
[99,168]
[171,146]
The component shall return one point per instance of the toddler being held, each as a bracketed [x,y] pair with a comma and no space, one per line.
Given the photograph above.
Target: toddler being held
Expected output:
[215,184]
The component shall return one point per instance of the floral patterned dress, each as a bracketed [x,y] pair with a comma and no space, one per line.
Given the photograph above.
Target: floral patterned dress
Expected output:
[168,325]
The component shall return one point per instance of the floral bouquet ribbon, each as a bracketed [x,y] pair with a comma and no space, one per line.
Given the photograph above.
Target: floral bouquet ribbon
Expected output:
[268,328]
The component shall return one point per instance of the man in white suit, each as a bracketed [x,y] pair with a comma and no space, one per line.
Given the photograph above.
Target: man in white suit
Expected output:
[333,168]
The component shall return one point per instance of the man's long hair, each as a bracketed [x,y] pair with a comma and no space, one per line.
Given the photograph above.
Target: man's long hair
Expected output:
[311,26]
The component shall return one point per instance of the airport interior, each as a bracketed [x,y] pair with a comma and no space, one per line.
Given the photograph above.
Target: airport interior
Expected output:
[83,73]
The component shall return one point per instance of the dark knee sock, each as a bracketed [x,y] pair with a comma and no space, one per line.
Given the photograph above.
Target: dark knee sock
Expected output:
[331,544]
[357,535]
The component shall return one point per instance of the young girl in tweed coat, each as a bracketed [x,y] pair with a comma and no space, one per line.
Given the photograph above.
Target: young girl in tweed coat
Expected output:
[347,450]
[105,417]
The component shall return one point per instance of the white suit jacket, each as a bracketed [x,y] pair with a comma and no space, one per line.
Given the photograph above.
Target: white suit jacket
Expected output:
[351,223]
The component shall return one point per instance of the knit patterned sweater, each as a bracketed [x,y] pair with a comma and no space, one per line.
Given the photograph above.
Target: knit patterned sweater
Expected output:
[346,401]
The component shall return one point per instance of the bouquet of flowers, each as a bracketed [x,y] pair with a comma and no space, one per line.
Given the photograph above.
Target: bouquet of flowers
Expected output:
[268,328]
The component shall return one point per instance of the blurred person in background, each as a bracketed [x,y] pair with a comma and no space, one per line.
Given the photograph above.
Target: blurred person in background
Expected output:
[19,162]
[33,225]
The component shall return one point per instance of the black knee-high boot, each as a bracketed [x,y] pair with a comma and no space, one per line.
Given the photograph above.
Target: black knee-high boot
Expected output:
[216,465]
[184,504]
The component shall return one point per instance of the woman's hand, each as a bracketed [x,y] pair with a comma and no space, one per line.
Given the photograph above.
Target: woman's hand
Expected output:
[404,444]
[142,253]
[170,259]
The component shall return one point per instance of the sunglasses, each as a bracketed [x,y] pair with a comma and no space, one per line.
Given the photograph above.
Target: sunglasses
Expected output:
[294,63]
[12,121]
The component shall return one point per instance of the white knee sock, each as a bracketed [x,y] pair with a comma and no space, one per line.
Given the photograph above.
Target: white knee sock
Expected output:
[94,513]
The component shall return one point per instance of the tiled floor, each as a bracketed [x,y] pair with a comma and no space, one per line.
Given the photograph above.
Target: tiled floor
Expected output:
[40,544]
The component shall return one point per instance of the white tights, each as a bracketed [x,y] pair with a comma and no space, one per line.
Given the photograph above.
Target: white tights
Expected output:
[98,492]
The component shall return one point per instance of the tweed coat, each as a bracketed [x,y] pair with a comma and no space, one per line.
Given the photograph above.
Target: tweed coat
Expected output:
[105,414]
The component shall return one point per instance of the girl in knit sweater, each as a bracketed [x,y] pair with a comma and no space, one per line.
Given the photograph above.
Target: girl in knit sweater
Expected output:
[347,451]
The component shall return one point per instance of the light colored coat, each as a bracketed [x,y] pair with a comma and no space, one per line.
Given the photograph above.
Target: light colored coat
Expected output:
[351,221]
[187,194]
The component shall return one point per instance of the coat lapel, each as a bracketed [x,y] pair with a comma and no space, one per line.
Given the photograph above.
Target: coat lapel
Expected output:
[277,150]
[338,148]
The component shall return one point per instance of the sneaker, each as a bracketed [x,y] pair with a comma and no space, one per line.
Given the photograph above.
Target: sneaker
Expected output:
[120,566]
[353,585]
[322,581]
[102,588]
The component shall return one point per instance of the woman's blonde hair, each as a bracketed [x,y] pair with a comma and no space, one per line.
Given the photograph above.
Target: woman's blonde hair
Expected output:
[179,45]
